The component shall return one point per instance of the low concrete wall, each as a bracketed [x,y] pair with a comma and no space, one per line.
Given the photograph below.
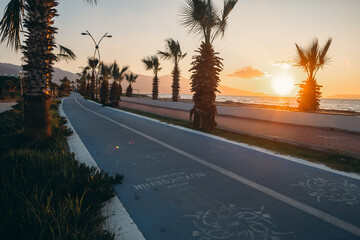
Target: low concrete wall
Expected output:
[342,122]
[159,103]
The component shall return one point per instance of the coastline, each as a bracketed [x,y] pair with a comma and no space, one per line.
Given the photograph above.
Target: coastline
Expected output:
[230,103]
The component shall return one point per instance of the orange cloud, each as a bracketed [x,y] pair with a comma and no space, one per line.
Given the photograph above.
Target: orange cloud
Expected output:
[247,72]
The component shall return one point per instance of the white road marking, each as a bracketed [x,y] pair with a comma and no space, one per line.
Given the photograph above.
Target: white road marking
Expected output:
[292,202]
[258,149]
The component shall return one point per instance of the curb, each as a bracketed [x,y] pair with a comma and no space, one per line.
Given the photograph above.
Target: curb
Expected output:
[118,219]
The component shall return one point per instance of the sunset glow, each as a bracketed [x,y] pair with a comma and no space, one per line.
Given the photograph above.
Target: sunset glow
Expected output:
[283,84]
[259,41]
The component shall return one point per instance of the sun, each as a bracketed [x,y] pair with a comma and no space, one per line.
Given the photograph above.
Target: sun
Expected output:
[283,84]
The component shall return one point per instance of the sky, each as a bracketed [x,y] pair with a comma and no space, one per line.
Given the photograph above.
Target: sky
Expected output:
[257,47]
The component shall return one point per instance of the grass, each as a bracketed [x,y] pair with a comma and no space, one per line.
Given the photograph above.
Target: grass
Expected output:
[333,160]
[46,193]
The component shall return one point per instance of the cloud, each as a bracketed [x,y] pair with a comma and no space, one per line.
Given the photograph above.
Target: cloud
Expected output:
[247,72]
[282,64]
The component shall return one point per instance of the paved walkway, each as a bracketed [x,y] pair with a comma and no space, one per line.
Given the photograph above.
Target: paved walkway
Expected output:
[185,185]
[6,106]
[317,138]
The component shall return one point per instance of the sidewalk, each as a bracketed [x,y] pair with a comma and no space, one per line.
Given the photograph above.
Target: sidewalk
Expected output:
[317,138]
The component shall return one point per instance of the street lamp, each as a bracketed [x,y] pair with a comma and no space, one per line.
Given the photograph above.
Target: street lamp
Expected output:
[106,35]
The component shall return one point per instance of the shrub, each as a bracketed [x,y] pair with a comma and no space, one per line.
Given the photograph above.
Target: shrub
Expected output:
[46,193]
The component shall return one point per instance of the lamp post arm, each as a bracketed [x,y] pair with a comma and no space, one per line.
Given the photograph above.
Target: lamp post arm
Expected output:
[91,36]
[101,39]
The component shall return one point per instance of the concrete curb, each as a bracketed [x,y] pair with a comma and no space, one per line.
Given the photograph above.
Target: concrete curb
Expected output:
[118,219]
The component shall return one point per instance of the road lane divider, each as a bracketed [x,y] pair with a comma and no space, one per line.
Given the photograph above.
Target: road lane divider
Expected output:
[292,202]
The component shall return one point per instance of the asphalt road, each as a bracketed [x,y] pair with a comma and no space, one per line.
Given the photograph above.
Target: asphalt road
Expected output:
[180,184]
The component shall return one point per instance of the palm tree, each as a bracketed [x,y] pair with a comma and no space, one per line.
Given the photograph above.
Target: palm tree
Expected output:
[37,19]
[201,18]
[118,74]
[310,60]
[131,78]
[153,63]
[93,63]
[104,92]
[83,76]
[105,72]
[173,52]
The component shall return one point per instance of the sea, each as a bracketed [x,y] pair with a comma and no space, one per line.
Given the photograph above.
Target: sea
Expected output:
[352,105]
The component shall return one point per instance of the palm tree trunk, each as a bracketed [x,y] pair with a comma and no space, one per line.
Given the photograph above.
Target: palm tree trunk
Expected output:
[39,60]
[92,86]
[309,95]
[155,91]
[37,117]
[176,84]
[205,80]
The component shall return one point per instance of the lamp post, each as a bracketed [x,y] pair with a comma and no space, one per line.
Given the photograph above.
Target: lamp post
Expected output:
[97,50]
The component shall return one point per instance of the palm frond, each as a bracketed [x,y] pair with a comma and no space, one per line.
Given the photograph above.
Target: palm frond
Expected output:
[93,62]
[222,22]
[131,78]
[300,59]
[148,63]
[66,54]
[193,14]
[173,51]
[323,58]
[156,64]
[164,55]
[312,54]
[153,63]
[313,58]
[115,71]
[122,71]
[11,24]
[92,1]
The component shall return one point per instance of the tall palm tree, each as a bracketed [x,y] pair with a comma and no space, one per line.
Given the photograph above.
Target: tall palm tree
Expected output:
[37,17]
[152,63]
[310,60]
[93,63]
[131,78]
[201,18]
[173,52]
